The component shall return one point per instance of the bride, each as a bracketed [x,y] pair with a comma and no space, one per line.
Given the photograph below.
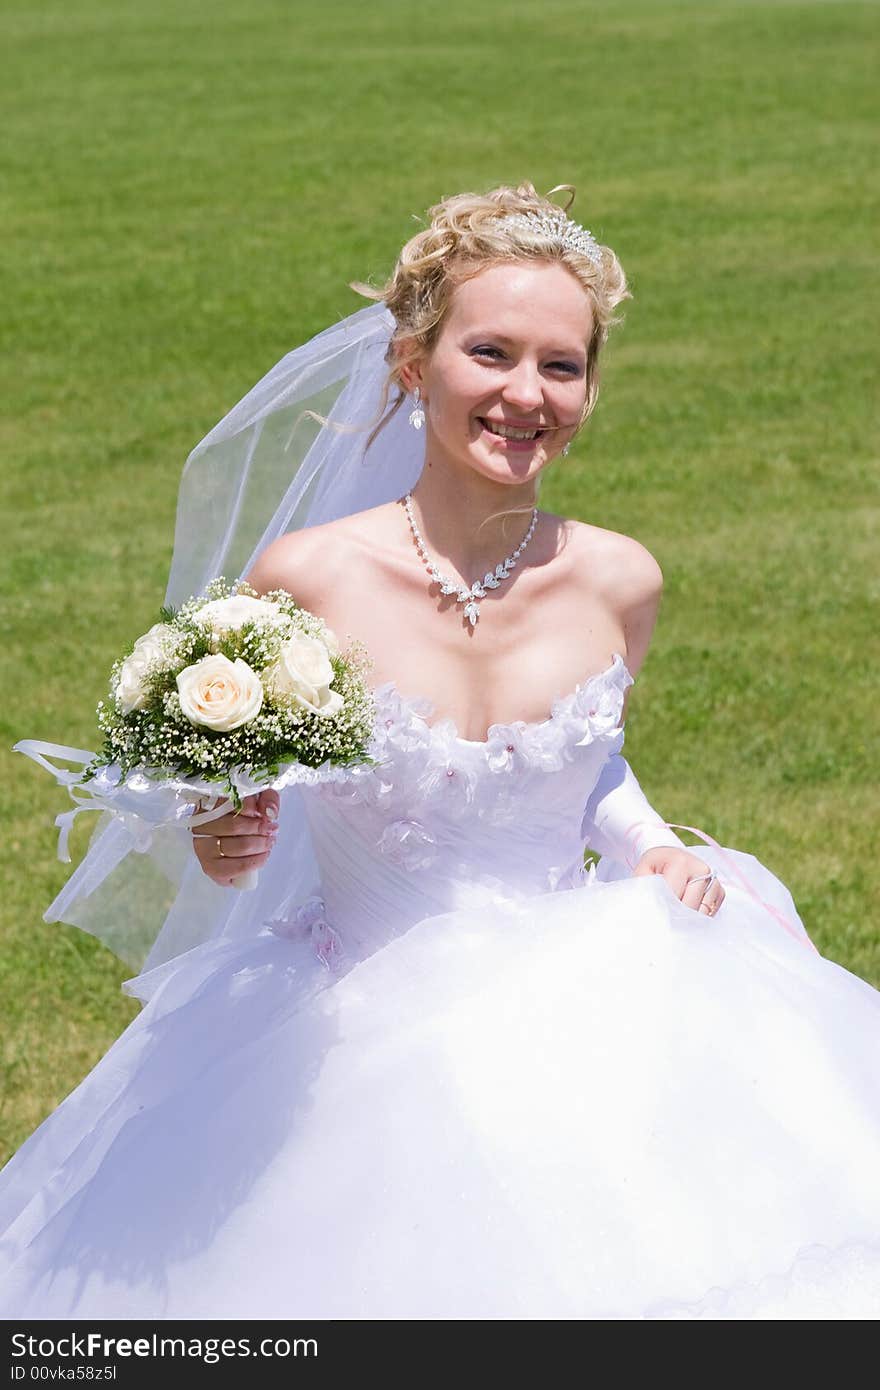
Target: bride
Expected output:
[434,1067]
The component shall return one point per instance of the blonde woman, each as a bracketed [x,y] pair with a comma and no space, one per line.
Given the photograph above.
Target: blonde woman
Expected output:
[434,1067]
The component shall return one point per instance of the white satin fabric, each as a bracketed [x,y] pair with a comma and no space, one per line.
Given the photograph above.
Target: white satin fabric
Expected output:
[460,1077]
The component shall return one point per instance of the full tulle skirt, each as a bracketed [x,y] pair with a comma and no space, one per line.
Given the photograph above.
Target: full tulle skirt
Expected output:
[593,1103]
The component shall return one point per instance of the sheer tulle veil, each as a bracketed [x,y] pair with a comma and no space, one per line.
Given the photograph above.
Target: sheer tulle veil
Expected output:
[299,449]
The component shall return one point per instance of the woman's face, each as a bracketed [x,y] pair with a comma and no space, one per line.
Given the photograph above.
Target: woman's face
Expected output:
[511,356]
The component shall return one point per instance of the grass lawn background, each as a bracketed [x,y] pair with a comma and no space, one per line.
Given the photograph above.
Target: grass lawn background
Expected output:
[187,189]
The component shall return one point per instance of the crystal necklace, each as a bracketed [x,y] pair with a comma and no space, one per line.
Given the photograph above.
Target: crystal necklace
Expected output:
[469,597]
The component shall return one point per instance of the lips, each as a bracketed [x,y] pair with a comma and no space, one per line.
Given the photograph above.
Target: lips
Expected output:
[518,434]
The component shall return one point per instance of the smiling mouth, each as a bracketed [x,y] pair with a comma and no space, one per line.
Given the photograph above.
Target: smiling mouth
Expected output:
[509,432]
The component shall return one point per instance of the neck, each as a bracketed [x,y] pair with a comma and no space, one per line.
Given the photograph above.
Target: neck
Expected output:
[456,511]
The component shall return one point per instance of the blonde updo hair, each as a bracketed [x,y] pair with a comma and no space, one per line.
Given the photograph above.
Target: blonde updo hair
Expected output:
[466,235]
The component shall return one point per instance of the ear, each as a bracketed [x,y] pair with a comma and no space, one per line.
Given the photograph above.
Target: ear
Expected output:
[411,374]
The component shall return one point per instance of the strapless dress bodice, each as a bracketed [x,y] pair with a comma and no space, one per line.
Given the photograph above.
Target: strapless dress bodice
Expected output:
[436,820]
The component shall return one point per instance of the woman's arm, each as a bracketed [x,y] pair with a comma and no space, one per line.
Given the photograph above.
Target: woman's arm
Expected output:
[619,821]
[242,841]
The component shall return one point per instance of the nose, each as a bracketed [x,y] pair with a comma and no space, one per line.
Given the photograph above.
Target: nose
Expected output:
[523,387]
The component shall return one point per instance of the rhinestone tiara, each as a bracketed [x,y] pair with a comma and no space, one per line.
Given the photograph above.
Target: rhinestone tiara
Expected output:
[558,226]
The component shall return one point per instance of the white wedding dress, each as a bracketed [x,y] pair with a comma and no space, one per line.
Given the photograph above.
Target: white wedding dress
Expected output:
[472,1080]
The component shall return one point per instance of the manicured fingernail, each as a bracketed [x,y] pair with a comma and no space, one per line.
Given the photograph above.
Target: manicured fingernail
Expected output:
[271,812]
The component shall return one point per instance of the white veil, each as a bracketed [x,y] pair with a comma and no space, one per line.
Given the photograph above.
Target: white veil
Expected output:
[268,467]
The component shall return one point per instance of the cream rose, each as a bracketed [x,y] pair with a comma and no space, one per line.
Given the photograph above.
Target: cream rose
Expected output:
[219,693]
[153,650]
[303,673]
[224,615]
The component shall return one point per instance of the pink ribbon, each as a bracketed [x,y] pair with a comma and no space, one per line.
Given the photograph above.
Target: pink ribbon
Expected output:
[739,877]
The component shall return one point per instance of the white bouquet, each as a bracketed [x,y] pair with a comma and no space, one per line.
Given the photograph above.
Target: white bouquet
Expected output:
[229,694]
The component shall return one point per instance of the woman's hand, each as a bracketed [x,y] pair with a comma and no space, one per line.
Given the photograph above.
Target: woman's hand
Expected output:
[242,840]
[687,875]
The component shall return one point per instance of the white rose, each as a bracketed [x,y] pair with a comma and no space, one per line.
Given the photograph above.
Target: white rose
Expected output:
[219,693]
[303,673]
[130,692]
[153,650]
[224,615]
[160,640]
[328,637]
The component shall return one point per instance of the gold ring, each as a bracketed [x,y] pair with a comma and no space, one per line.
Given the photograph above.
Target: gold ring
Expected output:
[220,848]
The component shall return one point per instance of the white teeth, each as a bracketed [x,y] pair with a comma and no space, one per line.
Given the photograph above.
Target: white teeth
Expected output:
[507,432]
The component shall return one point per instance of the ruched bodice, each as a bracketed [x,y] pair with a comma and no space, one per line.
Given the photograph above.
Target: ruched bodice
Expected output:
[437,821]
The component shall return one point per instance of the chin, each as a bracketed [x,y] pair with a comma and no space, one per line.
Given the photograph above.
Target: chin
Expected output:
[512,469]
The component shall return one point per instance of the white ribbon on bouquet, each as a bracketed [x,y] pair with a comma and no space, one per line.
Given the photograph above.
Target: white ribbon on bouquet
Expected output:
[141,803]
[157,803]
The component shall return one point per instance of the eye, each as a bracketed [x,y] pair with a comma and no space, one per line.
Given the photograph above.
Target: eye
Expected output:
[493,354]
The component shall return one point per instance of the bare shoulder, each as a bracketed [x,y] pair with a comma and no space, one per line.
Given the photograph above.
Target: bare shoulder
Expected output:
[307,562]
[619,566]
[619,575]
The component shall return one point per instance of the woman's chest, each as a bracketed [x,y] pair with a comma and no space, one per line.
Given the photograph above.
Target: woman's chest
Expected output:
[527,649]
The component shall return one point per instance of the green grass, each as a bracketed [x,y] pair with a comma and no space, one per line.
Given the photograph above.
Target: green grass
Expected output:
[188,188]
